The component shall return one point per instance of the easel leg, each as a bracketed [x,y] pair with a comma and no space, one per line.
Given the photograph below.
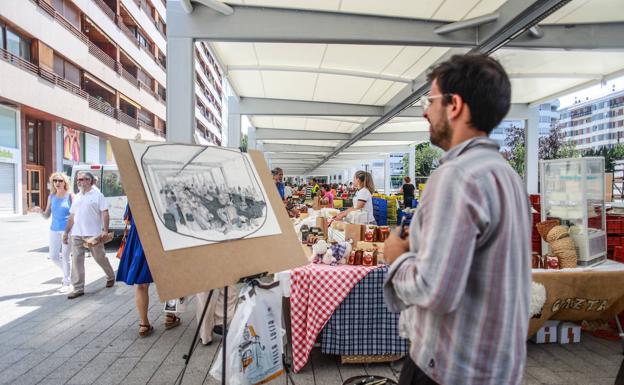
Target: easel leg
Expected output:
[620,331]
[187,357]
[225,328]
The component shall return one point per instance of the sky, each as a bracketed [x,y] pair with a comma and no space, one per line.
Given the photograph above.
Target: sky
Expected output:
[593,92]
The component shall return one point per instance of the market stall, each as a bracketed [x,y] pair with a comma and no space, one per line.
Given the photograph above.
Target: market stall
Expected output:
[580,294]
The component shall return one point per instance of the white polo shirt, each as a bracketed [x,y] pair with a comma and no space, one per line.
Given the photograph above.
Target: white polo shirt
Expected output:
[87,209]
[364,195]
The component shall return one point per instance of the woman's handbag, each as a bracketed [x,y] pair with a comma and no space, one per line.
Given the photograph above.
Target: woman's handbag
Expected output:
[122,244]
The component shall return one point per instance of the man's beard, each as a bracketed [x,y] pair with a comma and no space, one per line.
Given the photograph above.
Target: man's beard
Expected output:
[441,135]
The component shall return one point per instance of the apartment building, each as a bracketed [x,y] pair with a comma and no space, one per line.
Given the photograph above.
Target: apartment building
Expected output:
[596,123]
[77,72]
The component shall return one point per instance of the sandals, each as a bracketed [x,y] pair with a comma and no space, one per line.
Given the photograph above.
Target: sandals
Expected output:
[149,329]
[171,321]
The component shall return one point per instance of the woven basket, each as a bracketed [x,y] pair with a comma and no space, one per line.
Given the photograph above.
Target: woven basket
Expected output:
[567,259]
[562,244]
[544,227]
[556,233]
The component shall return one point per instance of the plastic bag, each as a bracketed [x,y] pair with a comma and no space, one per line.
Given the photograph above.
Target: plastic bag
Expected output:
[254,340]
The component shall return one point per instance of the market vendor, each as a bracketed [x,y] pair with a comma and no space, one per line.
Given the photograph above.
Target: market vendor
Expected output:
[363,199]
[327,194]
[278,174]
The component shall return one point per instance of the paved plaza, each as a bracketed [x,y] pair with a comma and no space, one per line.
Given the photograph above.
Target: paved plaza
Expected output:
[47,339]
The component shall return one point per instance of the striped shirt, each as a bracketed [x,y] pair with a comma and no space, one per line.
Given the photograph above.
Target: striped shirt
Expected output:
[463,288]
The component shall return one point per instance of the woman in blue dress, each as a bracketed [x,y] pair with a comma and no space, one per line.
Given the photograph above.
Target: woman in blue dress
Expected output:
[134,270]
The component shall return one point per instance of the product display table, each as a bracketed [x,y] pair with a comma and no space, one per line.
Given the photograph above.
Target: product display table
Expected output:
[316,291]
[580,294]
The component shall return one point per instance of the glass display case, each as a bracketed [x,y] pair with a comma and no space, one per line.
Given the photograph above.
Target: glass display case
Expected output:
[572,190]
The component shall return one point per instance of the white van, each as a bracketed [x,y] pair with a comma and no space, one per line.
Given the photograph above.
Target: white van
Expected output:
[109,183]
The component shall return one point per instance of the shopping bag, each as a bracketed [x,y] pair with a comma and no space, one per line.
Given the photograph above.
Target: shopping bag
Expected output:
[254,340]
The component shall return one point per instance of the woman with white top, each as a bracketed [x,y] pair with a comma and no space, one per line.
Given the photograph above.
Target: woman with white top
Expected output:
[363,199]
[59,202]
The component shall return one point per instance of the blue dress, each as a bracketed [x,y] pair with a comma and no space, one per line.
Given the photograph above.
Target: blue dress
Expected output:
[133,268]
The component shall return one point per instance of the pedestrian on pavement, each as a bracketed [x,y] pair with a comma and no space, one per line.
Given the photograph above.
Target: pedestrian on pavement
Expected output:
[58,205]
[213,320]
[462,279]
[88,218]
[134,270]
[408,192]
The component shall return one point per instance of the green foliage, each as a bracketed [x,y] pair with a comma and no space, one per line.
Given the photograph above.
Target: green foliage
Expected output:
[427,159]
[610,155]
[243,143]
[554,146]
[515,141]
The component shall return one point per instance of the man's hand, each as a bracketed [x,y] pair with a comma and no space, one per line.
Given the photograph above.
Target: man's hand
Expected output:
[394,246]
[65,238]
[103,235]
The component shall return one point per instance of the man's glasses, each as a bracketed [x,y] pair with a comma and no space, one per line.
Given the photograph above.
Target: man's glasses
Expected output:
[83,179]
[58,180]
[427,100]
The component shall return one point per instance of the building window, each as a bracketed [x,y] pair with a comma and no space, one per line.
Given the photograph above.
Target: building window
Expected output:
[66,70]
[8,127]
[17,45]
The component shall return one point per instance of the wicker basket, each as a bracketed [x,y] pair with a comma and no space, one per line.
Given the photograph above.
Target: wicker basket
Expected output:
[544,227]
[562,244]
[556,233]
[567,259]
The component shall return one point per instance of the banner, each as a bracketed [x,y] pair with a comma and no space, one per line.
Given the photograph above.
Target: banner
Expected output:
[71,144]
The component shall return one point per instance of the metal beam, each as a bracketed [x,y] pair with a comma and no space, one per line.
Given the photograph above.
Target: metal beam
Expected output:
[317,70]
[515,18]
[276,25]
[284,107]
[286,134]
[599,36]
[273,147]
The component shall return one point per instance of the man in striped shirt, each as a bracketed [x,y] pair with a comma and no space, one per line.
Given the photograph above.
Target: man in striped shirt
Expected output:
[462,278]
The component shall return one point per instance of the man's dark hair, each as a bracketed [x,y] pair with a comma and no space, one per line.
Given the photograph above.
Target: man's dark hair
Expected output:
[482,83]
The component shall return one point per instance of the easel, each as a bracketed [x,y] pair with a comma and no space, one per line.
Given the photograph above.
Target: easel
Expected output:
[253,280]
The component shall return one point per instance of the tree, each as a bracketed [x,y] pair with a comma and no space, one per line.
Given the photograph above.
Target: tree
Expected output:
[554,146]
[610,155]
[243,143]
[427,159]
[515,141]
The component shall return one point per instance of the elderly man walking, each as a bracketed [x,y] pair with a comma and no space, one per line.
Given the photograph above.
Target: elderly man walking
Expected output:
[88,218]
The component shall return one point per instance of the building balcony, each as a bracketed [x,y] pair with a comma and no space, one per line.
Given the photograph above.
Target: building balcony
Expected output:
[127,42]
[138,9]
[42,22]
[58,97]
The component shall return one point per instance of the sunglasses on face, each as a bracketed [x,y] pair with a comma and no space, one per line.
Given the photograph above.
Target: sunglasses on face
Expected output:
[58,180]
[83,179]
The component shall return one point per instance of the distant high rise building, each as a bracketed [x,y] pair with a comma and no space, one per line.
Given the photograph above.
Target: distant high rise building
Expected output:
[76,72]
[595,123]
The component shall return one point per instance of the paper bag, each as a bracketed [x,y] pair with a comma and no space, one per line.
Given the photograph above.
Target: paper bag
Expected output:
[321,222]
[354,232]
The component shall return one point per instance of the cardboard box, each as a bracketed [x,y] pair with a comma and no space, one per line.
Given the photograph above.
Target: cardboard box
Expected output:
[354,232]
[547,334]
[569,333]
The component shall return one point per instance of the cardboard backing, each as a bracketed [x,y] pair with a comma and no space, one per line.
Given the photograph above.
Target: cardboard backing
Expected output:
[182,272]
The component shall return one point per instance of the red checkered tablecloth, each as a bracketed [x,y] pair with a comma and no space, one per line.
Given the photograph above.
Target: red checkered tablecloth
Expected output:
[316,291]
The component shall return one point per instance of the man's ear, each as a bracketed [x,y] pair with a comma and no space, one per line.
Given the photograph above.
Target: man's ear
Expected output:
[455,106]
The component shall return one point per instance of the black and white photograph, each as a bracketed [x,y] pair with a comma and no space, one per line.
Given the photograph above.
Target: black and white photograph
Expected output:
[203,194]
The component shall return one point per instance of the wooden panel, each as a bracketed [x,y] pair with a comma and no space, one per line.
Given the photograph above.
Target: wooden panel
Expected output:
[43,54]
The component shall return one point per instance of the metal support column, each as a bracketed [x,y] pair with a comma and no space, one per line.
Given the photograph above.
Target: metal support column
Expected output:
[180,89]
[233,124]
[531,157]
[411,163]
[387,174]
